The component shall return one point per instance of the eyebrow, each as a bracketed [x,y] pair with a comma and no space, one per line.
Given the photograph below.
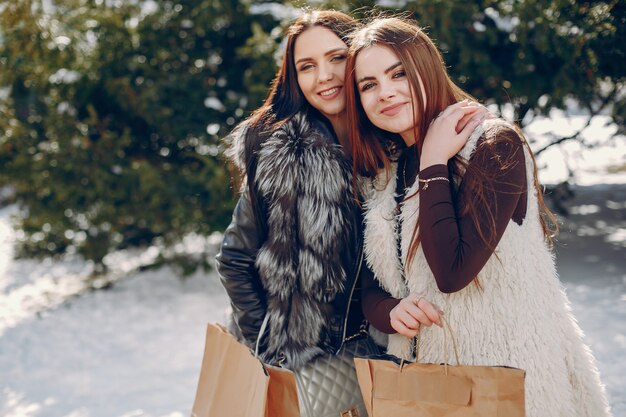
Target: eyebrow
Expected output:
[391,68]
[332,51]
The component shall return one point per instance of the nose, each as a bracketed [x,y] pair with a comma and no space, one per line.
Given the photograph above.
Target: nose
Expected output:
[325,74]
[385,92]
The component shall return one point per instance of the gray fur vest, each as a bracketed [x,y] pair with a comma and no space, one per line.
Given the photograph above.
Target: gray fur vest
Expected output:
[304,182]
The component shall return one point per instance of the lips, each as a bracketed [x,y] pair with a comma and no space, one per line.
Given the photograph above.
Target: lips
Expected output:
[393,109]
[330,93]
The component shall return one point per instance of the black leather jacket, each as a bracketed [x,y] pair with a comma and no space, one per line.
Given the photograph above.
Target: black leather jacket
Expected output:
[237,271]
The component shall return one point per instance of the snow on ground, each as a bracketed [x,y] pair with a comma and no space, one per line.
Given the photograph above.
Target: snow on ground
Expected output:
[135,348]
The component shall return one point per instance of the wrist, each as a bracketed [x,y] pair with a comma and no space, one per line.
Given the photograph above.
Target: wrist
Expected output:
[439,170]
[428,162]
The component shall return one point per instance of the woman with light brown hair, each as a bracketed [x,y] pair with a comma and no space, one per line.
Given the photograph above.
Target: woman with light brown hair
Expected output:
[456,218]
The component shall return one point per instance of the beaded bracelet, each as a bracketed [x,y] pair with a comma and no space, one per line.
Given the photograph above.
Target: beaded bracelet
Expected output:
[426,181]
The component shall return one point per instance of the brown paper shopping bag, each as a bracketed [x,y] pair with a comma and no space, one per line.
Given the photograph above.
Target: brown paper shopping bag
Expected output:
[394,388]
[234,383]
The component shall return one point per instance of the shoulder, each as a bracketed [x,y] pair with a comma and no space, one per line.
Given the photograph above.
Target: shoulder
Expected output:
[502,140]
[300,130]
[500,131]
[493,136]
[235,146]
[499,153]
[293,132]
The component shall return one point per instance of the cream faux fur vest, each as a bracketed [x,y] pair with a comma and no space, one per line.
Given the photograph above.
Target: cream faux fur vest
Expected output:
[519,316]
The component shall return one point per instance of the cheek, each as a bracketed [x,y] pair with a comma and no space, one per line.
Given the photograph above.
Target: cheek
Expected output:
[368,105]
[341,71]
[303,82]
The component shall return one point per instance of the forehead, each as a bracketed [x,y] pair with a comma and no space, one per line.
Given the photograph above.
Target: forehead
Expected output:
[316,41]
[374,60]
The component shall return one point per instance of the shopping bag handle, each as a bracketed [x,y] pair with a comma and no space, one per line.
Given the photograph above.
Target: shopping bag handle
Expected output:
[266,319]
[418,338]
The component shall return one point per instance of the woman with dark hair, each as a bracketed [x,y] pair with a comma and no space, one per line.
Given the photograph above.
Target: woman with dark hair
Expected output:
[457,218]
[292,252]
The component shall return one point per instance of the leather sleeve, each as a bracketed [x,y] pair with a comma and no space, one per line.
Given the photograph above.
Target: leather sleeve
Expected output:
[237,271]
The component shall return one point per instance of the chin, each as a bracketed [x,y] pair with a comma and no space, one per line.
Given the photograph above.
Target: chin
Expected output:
[388,127]
[331,111]
[397,127]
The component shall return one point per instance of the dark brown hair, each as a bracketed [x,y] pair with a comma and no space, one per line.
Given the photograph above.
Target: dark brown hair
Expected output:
[421,59]
[285,98]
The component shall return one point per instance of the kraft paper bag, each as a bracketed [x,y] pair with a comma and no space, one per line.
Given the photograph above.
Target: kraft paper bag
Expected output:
[392,387]
[234,383]
[430,390]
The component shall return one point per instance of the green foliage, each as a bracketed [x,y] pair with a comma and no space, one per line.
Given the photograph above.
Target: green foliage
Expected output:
[534,54]
[111,118]
[111,112]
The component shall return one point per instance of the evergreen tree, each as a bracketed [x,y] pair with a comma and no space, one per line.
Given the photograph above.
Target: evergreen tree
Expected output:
[112,115]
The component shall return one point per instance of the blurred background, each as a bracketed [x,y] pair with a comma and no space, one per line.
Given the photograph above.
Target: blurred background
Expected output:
[114,192]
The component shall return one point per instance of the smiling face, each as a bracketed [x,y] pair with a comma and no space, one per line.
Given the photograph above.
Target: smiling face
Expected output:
[320,61]
[385,92]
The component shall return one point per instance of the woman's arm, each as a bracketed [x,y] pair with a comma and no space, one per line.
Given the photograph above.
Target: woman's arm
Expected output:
[391,315]
[237,271]
[449,236]
[376,303]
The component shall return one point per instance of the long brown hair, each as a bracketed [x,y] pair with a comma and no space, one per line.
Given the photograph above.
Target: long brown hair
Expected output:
[285,98]
[421,59]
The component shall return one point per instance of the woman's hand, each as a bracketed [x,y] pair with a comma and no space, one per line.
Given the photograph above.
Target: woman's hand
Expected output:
[413,311]
[442,140]
[481,113]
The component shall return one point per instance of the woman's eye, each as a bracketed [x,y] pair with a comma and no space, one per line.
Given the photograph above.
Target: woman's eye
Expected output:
[399,74]
[366,86]
[337,58]
[306,67]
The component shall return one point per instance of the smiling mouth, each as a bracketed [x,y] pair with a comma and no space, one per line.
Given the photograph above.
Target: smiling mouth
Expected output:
[329,92]
[393,109]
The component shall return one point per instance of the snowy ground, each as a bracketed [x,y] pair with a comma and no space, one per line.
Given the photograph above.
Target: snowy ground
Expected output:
[135,348]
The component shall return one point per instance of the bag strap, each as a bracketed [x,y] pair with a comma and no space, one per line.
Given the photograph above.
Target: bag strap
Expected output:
[418,338]
[266,319]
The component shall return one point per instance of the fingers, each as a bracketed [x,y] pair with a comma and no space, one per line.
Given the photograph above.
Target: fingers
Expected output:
[457,114]
[469,116]
[465,120]
[459,105]
[413,312]
[403,330]
[418,314]
[407,313]
[405,324]
[402,322]
[469,127]
[431,311]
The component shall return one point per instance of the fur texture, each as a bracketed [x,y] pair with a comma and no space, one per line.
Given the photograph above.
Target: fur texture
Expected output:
[519,316]
[305,182]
